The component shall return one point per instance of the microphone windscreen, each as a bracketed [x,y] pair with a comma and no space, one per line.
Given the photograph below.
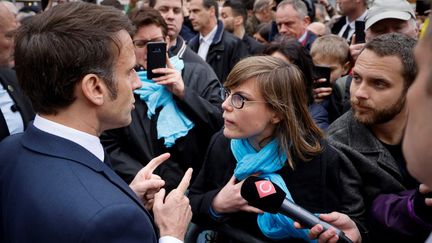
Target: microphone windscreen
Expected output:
[262,194]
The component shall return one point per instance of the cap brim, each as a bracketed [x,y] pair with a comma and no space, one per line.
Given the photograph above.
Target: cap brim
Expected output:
[387,15]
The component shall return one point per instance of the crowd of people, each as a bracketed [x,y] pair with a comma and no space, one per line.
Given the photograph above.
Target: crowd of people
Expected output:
[328,100]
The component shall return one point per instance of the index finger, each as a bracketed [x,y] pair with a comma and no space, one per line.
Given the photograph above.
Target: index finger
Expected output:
[353,39]
[184,183]
[155,162]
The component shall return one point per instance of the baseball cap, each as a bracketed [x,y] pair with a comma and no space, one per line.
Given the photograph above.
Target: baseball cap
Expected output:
[388,9]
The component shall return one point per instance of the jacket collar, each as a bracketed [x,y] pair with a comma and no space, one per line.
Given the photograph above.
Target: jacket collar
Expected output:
[54,146]
[179,48]
[364,141]
[219,33]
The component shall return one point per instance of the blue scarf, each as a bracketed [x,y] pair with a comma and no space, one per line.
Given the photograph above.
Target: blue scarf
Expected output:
[266,162]
[172,123]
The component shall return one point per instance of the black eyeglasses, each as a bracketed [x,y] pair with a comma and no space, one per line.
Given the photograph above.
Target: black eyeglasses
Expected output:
[237,100]
[143,43]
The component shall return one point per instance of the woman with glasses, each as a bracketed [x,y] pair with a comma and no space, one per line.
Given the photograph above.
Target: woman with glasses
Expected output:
[268,132]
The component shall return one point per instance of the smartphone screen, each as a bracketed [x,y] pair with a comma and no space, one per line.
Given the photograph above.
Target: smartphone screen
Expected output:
[360,32]
[321,72]
[156,58]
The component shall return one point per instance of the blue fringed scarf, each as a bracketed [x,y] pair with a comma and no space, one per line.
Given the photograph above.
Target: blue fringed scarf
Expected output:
[266,162]
[172,123]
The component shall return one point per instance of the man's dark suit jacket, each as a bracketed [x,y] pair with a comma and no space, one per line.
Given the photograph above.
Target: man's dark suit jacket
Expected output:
[54,190]
[224,52]
[9,81]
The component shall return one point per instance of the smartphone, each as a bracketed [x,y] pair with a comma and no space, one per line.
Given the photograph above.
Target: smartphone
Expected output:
[321,72]
[156,58]
[360,32]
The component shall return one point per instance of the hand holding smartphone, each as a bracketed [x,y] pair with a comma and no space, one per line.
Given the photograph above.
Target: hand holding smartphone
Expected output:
[320,72]
[156,58]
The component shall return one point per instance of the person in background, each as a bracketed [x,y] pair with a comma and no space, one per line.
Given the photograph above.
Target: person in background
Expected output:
[219,48]
[292,19]
[15,108]
[331,51]
[269,132]
[370,135]
[57,184]
[176,113]
[352,11]
[234,16]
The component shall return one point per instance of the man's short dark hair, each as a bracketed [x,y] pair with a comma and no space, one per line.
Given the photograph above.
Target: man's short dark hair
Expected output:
[147,16]
[211,3]
[400,45]
[152,3]
[56,49]
[237,7]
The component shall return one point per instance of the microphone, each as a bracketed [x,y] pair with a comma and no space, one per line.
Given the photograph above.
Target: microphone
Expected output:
[265,195]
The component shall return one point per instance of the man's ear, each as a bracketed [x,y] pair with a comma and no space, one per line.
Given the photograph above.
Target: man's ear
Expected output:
[238,21]
[306,20]
[93,88]
[346,67]
[212,11]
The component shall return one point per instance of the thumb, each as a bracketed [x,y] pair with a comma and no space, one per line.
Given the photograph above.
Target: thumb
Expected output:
[159,197]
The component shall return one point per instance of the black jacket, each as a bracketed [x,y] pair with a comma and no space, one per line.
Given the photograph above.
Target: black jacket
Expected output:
[253,46]
[323,184]
[22,104]
[132,147]
[225,51]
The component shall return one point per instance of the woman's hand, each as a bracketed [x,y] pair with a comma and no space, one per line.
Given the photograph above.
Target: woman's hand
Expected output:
[229,199]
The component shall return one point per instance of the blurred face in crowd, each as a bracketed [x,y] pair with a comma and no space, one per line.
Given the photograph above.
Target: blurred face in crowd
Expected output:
[418,132]
[199,15]
[347,6]
[407,27]
[290,23]
[8,26]
[228,18]
[253,120]
[145,34]
[117,112]
[377,88]
[265,15]
[171,11]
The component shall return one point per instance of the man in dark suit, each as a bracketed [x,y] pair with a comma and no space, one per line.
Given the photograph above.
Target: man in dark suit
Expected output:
[352,11]
[219,48]
[56,182]
[16,110]
[292,19]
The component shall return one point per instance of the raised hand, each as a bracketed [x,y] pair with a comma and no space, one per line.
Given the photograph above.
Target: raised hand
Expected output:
[173,214]
[146,184]
[171,79]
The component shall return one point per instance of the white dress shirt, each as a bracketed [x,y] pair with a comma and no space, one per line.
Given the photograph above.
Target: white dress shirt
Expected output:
[13,119]
[351,25]
[86,140]
[205,42]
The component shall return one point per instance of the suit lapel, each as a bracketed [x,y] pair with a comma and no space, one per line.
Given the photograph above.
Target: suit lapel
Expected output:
[54,146]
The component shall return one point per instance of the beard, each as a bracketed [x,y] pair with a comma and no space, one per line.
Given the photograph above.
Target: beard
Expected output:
[374,116]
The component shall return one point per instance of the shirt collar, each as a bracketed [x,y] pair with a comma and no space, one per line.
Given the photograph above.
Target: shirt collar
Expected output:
[303,37]
[86,140]
[209,37]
